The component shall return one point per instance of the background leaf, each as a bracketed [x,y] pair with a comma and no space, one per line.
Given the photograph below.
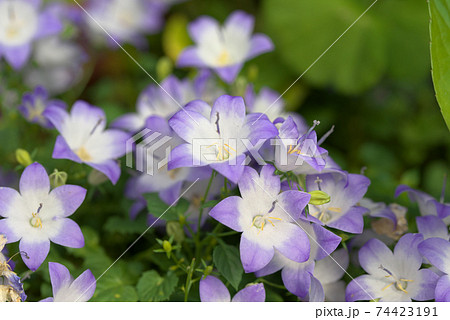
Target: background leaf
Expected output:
[227,260]
[153,287]
[440,53]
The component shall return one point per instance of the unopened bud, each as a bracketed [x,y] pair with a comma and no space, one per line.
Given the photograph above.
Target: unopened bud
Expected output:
[23,157]
[175,230]
[164,67]
[58,178]
[167,246]
[318,197]
[208,270]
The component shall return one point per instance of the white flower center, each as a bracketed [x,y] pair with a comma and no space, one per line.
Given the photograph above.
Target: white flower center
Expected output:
[18,22]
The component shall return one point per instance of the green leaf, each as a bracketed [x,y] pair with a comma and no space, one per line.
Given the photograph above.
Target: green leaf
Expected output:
[116,285]
[152,287]
[226,259]
[210,204]
[125,225]
[356,61]
[182,206]
[159,208]
[440,53]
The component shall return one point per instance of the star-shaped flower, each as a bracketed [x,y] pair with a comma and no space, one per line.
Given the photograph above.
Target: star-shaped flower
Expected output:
[36,215]
[21,23]
[393,276]
[266,219]
[83,138]
[224,49]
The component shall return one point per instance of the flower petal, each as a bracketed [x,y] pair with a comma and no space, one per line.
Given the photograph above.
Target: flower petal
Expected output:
[291,241]
[71,197]
[293,203]
[17,56]
[213,290]
[254,256]
[253,293]
[36,252]
[8,197]
[8,232]
[352,221]
[259,44]
[437,251]
[406,254]
[298,280]
[374,253]
[70,235]
[432,227]
[232,171]
[63,151]
[443,289]
[227,213]
[109,168]
[59,276]
[34,179]
[84,286]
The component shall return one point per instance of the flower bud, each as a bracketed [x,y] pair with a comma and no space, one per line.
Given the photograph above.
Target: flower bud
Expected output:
[318,197]
[208,270]
[58,178]
[23,157]
[164,67]
[167,246]
[174,228]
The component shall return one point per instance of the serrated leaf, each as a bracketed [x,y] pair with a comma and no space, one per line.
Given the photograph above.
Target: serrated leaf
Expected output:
[227,260]
[440,53]
[153,288]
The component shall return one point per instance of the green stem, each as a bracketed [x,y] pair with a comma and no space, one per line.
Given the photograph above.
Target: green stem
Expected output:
[278,286]
[199,223]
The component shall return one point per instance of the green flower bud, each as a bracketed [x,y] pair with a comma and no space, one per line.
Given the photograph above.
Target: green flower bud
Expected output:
[208,271]
[164,67]
[167,246]
[23,157]
[318,197]
[175,230]
[58,178]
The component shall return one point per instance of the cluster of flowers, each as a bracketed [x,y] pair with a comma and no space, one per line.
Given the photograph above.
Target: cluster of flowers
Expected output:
[294,205]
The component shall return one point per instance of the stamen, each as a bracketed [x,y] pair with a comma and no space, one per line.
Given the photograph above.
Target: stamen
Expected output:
[325,136]
[99,121]
[318,181]
[35,221]
[390,284]
[334,209]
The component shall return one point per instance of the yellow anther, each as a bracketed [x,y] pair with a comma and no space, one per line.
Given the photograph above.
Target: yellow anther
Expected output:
[390,284]
[334,209]
[83,154]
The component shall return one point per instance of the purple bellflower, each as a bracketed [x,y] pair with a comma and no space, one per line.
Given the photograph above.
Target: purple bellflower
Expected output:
[36,215]
[22,22]
[165,101]
[266,219]
[342,212]
[393,277]
[224,49]
[83,138]
[35,103]
[219,136]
